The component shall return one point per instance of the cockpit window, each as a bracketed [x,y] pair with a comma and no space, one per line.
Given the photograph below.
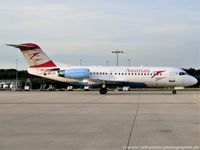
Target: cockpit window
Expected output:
[182,73]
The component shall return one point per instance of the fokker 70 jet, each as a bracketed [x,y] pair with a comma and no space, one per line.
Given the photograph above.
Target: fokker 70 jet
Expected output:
[41,65]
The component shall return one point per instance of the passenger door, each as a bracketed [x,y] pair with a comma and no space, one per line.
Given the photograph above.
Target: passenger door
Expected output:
[172,77]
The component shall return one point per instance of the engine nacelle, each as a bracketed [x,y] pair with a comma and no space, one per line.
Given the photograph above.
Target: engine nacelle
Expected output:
[75,73]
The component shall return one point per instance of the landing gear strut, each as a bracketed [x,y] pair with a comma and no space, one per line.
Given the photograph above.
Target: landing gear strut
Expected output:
[173,91]
[103,89]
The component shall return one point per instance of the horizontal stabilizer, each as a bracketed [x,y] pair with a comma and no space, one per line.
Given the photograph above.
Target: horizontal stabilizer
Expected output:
[27,46]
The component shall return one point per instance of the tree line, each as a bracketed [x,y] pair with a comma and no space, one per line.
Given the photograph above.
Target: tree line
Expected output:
[23,75]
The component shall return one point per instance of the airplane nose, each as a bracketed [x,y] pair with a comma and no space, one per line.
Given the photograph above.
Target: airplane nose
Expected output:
[189,81]
[194,81]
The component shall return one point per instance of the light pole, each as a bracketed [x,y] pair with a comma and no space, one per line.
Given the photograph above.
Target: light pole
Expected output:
[16,82]
[107,63]
[117,52]
[129,62]
[81,62]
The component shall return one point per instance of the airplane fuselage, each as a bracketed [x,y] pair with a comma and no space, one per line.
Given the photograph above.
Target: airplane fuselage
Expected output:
[132,76]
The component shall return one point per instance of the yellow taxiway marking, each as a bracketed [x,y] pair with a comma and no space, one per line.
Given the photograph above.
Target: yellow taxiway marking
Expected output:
[196,102]
[197,96]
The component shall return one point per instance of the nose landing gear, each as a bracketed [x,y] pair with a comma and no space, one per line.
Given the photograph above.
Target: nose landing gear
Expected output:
[173,91]
[177,88]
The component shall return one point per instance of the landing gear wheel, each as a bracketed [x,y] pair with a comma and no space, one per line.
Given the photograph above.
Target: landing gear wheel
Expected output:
[103,91]
[174,92]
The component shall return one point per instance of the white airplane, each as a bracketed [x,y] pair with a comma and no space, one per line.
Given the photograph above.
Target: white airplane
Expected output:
[41,65]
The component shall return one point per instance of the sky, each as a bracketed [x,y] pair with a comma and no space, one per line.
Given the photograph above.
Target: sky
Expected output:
[149,32]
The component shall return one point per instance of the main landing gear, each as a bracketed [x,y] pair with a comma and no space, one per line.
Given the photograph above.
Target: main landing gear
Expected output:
[103,89]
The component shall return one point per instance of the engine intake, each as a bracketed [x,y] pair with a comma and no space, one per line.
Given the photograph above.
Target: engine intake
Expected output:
[75,73]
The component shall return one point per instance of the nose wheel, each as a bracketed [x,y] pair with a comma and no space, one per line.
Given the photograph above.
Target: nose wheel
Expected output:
[173,91]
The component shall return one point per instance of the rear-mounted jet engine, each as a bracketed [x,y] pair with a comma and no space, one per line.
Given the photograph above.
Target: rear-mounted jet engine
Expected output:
[75,73]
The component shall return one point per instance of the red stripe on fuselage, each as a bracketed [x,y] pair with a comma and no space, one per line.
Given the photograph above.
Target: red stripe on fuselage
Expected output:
[47,64]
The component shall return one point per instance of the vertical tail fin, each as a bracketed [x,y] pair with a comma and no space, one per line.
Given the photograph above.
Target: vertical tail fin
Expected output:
[34,55]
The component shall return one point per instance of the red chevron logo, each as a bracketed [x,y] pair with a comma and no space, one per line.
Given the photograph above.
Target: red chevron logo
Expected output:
[34,55]
[156,73]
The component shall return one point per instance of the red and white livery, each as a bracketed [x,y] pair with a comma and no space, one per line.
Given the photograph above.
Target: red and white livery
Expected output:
[41,65]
